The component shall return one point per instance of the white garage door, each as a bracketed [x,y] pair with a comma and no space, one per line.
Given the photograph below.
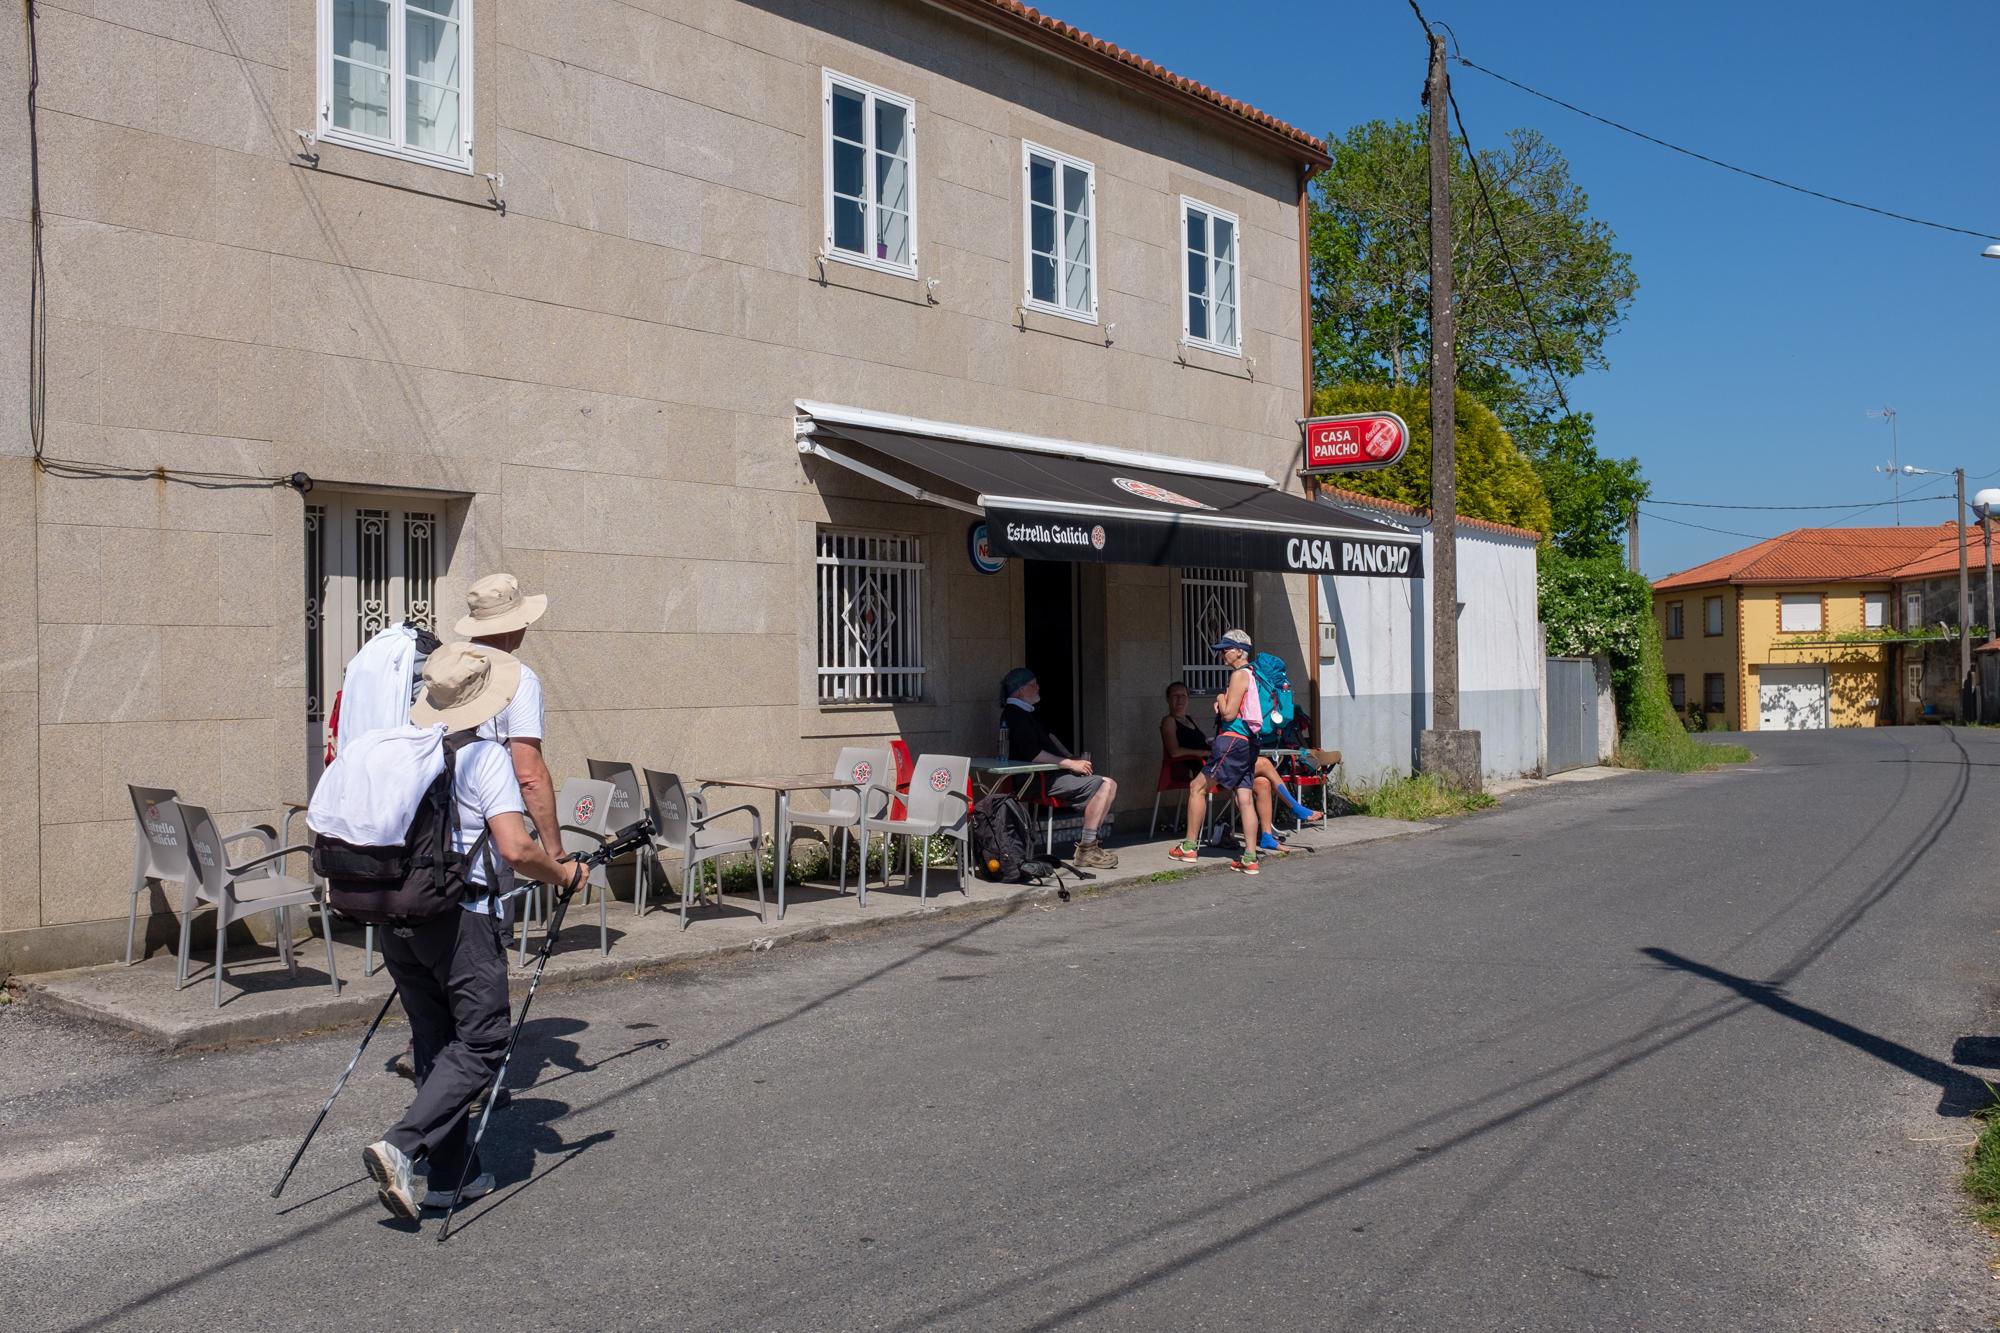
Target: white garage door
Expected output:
[1791,698]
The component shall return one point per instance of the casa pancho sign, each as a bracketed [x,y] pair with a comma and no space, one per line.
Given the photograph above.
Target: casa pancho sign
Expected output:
[1356,442]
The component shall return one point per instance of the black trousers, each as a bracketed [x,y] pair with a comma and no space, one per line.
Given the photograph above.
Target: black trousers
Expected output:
[451,974]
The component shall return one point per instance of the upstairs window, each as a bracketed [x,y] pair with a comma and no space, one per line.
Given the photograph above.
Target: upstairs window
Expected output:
[395,77]
[1210,315]
[1875,610]
[1711,616]
[1061,203]
[1676,626]
[1799,613]
[870,166]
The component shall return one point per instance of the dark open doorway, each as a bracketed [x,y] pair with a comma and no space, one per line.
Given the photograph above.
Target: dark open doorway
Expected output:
[1049,618]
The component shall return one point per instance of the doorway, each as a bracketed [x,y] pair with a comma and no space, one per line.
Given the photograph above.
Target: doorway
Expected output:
[372,561]
[1050,639]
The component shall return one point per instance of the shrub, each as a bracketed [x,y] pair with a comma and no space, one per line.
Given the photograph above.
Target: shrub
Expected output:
[1495,480]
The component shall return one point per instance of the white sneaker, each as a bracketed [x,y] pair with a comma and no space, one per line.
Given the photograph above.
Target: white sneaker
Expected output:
[478,1187]
[390,1169]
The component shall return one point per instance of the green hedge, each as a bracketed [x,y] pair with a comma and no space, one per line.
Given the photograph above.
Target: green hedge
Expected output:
[1495,480]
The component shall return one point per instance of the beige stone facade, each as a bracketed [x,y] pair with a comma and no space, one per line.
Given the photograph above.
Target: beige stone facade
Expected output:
[594,388]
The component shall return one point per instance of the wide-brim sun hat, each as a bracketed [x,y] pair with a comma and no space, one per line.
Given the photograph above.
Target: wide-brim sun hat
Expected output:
[497,606]
[465,684]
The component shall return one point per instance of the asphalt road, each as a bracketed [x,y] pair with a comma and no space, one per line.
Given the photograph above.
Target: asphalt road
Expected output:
[1655,1052]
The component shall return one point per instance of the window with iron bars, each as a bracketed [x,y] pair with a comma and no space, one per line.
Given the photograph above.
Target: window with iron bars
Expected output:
[1212,601]
[871,622]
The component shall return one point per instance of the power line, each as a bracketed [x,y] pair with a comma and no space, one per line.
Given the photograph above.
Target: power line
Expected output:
[1718,162]
[1703,504]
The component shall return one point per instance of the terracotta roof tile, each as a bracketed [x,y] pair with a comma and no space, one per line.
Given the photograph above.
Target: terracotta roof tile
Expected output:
[1031,22]
[1398,507]
[1824,555]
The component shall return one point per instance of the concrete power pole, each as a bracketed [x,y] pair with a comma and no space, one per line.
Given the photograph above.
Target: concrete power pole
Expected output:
[1632,540]
[1964,598]
[1443,748]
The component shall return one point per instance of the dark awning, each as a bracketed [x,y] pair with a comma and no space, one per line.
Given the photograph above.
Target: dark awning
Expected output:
[1118,508]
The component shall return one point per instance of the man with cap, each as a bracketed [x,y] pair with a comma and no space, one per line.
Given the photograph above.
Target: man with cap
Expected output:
[498,616]
[1029,741]
[1232,755]
[451,970]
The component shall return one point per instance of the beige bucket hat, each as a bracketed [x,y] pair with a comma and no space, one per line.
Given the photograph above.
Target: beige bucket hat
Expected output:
[465,684]
[498,607]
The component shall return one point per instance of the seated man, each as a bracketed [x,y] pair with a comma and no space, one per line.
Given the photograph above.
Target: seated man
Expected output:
[1030,742]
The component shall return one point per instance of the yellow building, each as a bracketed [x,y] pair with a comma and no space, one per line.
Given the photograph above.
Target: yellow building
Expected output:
[1764,639]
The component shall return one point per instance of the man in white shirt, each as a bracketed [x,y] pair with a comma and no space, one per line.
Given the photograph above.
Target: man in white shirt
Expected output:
[498,616]
[451,970]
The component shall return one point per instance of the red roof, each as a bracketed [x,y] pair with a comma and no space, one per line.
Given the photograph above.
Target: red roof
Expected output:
[1826,555]
[1398,507]
[1067,40]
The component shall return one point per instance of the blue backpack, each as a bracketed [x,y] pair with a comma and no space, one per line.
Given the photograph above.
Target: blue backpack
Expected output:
[1274,689]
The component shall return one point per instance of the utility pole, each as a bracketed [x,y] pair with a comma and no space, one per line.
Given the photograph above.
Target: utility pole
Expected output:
[1964,598]
[1443,748]
[1632,540]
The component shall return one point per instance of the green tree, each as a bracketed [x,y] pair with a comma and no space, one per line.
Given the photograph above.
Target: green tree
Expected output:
[1370,255]
[1590,496]
[1494,480]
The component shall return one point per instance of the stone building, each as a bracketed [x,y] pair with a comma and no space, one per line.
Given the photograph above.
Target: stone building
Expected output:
[349,301]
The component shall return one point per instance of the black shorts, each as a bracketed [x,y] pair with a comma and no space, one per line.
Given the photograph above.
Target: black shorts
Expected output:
[1232,761]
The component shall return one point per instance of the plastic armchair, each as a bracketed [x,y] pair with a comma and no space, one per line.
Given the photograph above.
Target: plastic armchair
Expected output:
[936,806]
[873,774]
[245,890]
[159,851]
[586,808]
[628,804]
[683,822]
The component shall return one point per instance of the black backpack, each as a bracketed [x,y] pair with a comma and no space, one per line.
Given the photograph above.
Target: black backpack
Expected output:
[413,881]
[1003,838]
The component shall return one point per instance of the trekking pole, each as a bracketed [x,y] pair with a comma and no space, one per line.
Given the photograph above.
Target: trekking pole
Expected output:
[629,839]
[380,1014]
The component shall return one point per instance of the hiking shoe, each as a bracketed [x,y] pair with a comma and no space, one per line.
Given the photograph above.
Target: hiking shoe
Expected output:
[390,1169]
[478,1187]
[405,1064]
[1246,866]
[1180,851]
[1093,856]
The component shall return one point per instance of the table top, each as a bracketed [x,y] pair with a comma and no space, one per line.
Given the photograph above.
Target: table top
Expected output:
[1011,767]
[1285,752]
[813,782]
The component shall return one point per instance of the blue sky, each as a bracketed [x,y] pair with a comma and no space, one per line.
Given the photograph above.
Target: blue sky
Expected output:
[1766,322]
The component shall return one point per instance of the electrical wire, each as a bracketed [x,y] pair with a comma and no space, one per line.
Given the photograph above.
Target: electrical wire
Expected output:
[1718,162]
[1703,504]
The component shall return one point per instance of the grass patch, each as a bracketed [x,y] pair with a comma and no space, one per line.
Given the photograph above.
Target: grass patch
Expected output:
[1981,1180]
[1424,796]
[1165,876]
[1674,751]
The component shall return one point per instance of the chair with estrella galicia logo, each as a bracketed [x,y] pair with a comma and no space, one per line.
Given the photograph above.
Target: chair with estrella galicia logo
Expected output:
[247,889]
[936,806]
[585,806]
[873,773]
[683,823]
[628,807]
[159,852]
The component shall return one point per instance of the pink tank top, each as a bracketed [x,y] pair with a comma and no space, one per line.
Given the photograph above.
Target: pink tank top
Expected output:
[1250,717]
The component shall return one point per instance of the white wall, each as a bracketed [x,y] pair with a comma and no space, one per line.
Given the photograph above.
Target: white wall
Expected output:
[1375,680]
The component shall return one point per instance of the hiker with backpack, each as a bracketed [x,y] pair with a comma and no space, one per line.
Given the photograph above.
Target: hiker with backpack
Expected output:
[1184,745]
[1232,755]
[414,826]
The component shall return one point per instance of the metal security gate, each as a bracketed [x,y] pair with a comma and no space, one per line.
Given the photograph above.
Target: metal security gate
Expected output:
[1572,696]
[371,562]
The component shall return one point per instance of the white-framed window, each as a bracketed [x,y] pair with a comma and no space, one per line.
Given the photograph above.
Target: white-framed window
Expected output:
[1711,616]
[871,175]
[395,77]
[1211,314]
[1875,610]
[1913,610]
[871,617]
[1798,612]
[1212,601]
[1059,205]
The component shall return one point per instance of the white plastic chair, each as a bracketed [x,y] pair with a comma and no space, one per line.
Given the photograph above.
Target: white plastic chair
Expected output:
[681,822]
[245,890]
[585,806]
[935,807]
[873,773]
[159,852]
[628,806]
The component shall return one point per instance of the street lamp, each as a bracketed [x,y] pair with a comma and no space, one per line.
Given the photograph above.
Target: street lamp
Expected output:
[1964,592]
[1991,252]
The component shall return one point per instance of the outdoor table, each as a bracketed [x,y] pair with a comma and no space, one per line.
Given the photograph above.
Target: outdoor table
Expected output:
[783,788]
[988,774]
[1276,753]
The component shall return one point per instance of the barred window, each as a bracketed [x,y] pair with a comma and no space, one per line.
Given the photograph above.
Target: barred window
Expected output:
[871,625]
[1212,600]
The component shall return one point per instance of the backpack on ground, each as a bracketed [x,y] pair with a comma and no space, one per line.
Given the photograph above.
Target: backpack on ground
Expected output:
[1274,690]
[1003,838]
[404,883]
